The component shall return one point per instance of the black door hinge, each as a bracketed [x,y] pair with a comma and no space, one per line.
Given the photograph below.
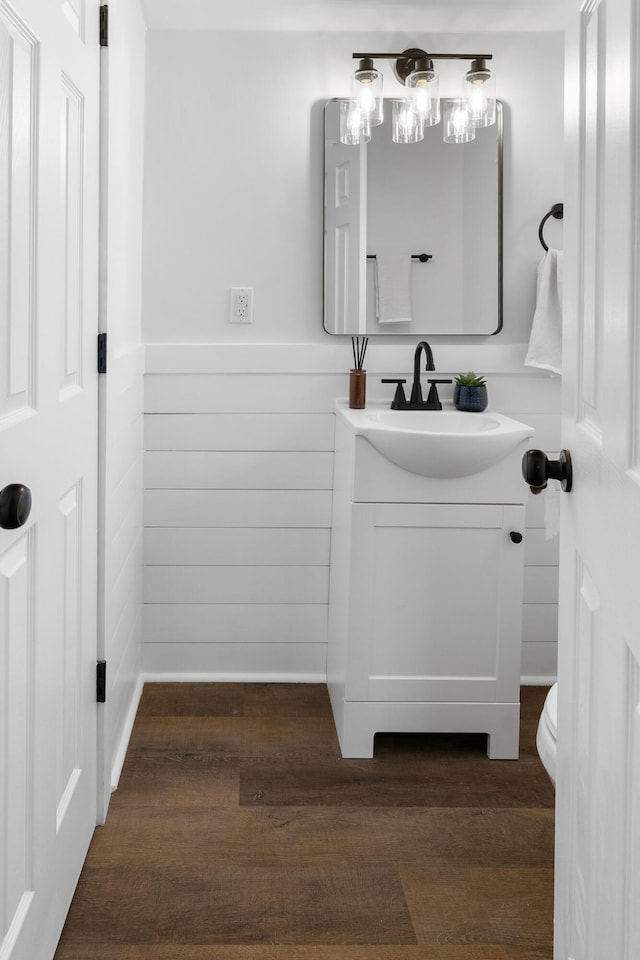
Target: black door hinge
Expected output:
[104,25]
[101,681]
[102,353]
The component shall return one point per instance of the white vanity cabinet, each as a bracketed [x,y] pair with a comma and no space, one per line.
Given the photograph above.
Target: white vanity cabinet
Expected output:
[425,608]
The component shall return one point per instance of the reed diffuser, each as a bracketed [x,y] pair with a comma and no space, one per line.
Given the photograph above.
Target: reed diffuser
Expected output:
[358,375]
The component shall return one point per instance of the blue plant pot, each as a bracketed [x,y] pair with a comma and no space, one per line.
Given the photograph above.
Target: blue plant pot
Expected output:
[471,399]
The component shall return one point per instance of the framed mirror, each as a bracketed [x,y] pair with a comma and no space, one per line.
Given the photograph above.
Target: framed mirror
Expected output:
[420,223]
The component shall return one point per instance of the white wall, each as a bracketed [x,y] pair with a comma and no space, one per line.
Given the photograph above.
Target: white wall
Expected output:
[238,468]
[233,173]
[121,396]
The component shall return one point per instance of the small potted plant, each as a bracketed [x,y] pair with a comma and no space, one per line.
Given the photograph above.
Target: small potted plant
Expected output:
[470,392]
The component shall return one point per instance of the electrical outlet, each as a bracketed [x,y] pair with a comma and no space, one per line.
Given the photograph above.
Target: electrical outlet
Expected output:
[241,305]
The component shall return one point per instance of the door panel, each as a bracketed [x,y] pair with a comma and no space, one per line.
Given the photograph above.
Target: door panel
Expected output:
[18,115]
[16,731]
[69,659]
[48,441]
[73,186]
[598,804]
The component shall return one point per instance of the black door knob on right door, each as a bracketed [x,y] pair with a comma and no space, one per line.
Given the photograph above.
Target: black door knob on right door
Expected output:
[537,469]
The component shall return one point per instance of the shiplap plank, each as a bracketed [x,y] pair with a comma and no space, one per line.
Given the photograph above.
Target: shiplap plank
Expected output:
[540,622]
[315,393]
[238,661]
[539,661]
[236,547]
[248,584]
[538,551]
[521,395]
[540,585]
[215,470]
[238,508]
[182,623]
[258,393]
[547,428]
[239,431]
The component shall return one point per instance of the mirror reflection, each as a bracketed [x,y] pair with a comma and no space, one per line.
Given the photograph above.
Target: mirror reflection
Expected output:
[413,231]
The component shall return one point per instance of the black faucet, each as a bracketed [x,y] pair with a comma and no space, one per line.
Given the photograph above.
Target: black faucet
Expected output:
[416,389]
[416,402]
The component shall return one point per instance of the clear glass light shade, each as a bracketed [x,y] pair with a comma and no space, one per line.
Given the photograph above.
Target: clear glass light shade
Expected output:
[457,125]
[353,129]
[424,88]
[366,88]
[479,88]
[406,126]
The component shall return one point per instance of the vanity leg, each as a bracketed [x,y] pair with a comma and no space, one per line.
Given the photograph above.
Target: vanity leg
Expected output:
[356,735]
[503,740]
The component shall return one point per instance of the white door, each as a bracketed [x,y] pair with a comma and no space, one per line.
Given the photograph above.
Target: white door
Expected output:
[598,788]
[49,85]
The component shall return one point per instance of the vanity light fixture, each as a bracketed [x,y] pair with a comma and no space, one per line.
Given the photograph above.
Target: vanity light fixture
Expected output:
[421,108]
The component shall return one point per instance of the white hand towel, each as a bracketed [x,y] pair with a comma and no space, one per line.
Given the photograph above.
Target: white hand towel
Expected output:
[393,287]
[545,342]
[552,510]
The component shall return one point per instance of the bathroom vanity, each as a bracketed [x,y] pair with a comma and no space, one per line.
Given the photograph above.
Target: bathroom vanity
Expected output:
[425,607]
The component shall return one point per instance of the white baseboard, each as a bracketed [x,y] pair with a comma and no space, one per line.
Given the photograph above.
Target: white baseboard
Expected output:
[121,751]
[173,677]
[234,678]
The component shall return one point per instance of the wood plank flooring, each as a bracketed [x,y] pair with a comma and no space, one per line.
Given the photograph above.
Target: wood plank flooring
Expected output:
[239,833]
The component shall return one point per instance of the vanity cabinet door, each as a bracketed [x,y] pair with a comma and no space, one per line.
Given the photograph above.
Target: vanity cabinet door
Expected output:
[436,603]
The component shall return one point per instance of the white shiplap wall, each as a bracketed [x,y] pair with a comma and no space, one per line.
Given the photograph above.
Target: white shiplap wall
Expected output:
[238,487]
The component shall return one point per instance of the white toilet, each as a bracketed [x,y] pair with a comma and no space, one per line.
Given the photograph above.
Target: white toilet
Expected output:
[547,736]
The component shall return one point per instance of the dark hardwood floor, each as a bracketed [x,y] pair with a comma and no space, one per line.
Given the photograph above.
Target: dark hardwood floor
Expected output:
[239,833]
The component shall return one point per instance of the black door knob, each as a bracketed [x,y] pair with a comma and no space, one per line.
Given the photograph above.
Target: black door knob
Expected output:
[537,469]
[15,505]
[516,537]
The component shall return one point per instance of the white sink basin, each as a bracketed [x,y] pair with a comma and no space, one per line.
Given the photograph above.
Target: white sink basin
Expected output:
[438,443]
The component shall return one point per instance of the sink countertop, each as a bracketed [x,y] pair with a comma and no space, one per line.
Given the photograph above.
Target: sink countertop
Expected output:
[440,444]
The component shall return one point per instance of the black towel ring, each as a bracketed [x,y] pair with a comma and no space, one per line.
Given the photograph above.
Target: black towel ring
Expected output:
[557,211]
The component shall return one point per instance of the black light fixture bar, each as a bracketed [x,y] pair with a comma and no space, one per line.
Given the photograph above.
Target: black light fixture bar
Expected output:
[430,56]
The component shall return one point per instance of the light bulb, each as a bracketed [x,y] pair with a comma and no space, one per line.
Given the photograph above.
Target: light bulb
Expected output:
[457,122]
[406,126]
[366,88]
[423,85]
[353,130]
[479,88]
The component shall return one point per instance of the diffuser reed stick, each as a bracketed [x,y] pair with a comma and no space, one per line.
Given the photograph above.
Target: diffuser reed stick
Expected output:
[359,350]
